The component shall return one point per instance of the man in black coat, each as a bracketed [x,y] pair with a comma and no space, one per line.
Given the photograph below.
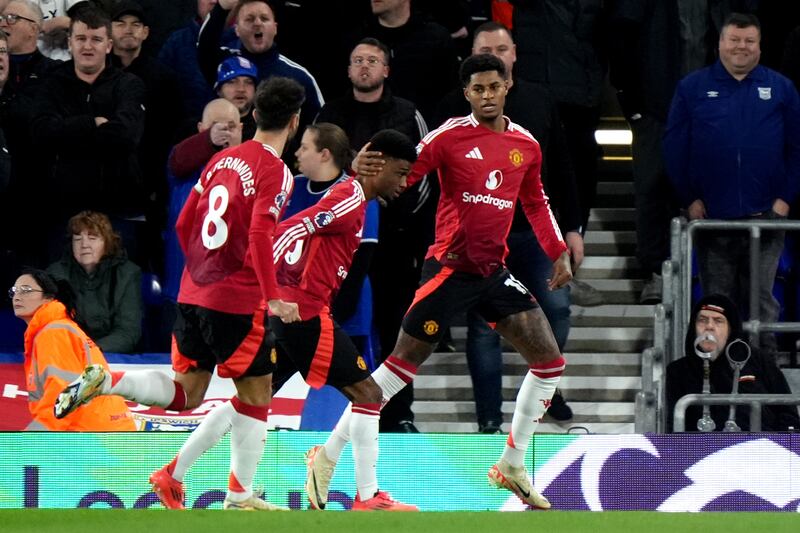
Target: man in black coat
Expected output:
[89,120]
[406,225]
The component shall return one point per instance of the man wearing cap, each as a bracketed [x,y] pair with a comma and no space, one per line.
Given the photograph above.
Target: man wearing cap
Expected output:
[236,83]
[717,315]
[256,28]
[164,115]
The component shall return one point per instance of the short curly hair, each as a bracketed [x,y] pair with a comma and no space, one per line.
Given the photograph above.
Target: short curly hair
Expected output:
[96,224]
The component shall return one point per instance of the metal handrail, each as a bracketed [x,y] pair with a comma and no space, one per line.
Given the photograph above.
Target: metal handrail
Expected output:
[672,317]
[755,401]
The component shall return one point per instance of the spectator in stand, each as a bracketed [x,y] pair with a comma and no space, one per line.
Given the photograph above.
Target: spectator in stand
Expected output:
[56,351]
[164,114]
[532,107]
[406,225]
[718,316]
[326,21]
[28,69]
[256,28]
[91,117]
[108,286]
[424,59]
[236,83]
[559,45]
[653,45]
[5,156]
[323,159]
[179,53]
[55,23]
[219,128]
[732,151]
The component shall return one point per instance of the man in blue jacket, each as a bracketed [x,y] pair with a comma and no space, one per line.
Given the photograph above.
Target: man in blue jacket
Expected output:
[732,151]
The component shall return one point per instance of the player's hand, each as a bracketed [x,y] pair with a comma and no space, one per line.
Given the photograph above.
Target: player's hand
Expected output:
[286,311]
[697,210]
[368,163]
[574,242]
[562,273]
[99,121]
[780,207]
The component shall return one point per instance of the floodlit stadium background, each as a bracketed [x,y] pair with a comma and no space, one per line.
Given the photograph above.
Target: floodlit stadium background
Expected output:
[721,472]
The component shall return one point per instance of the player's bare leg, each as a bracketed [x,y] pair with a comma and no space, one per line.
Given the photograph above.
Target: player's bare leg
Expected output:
[530,333]
[362,424]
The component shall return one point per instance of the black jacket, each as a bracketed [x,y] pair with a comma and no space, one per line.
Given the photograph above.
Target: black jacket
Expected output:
[423,65]
[90,166]
[759,376]
[559,44]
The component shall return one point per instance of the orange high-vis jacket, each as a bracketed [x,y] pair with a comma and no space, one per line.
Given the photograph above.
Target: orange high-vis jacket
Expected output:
[56,352]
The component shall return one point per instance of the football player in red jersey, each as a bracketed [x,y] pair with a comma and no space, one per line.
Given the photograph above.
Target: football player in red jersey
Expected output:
[225,230]
[313,252]
[485,164]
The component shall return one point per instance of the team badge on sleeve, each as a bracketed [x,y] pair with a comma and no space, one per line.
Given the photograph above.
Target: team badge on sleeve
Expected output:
[323,219]
[280,199]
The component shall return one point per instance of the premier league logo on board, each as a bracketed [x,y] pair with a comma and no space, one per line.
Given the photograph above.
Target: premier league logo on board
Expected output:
[323,219]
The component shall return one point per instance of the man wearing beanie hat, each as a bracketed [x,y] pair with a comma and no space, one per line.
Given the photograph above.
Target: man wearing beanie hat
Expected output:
[717,315]
[236,82]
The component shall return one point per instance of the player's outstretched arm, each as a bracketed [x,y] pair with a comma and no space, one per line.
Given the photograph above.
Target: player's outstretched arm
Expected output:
[562,272]
[286,311]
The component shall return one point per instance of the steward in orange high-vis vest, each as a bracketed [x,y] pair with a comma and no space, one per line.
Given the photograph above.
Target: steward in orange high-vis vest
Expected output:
[56,352]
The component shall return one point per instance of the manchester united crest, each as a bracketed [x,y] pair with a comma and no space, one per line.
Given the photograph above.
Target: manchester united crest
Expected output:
[430,327]
[360,363]
[515,156]
[273,356]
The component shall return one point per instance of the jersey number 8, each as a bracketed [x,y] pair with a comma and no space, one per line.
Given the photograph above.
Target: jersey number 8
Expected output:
[217,204]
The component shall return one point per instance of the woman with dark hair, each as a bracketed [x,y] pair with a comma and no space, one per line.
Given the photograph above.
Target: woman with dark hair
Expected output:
[56,352]
[108,285]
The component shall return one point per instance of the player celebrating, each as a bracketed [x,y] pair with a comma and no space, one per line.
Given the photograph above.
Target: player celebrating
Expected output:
[313,252]
[485,163]
[225,230]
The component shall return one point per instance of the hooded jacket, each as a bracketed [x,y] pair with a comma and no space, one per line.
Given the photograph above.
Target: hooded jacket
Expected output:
[56,352]
[760,375]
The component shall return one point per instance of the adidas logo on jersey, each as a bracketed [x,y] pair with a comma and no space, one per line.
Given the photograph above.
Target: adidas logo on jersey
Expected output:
[475,153]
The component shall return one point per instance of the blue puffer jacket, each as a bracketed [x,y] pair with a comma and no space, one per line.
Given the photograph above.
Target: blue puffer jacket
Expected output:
[735,145]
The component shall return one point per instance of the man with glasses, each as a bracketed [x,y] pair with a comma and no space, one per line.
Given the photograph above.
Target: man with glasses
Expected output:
[406,225]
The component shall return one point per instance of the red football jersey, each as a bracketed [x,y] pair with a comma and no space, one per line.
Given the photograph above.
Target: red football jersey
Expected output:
[314,248]
[226,228]
[482,173]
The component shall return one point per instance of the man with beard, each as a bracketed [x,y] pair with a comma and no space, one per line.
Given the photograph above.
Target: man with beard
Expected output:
[406,225]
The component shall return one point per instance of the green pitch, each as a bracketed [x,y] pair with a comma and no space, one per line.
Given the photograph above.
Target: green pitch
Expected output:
[196,521]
